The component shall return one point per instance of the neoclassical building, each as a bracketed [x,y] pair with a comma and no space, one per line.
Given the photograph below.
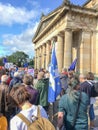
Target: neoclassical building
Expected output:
[75,31]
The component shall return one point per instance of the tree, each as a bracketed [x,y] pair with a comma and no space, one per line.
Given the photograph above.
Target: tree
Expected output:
[31,63]
[18,58]
[1,63]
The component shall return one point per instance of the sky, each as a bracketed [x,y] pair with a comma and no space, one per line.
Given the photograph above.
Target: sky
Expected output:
[19,20]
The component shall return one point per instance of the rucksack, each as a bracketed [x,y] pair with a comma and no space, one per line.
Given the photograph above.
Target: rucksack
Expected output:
[40,123]
[94,90]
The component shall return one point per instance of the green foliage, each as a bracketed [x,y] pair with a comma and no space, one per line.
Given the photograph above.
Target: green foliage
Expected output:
[18,58]
[31,63]
[1,63]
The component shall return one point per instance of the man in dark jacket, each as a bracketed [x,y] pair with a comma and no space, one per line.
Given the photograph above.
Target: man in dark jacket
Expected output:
[16,80]
[64,80]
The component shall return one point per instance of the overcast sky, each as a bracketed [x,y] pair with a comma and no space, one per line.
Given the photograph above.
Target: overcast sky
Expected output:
[19,20]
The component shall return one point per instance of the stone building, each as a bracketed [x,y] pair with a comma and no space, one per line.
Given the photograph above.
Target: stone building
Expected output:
[75,31]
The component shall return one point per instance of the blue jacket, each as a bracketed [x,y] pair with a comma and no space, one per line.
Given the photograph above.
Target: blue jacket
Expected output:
[14,81]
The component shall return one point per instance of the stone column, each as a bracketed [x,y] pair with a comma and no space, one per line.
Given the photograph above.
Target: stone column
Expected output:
[44,56]
[47,53]
[96,52]
[37,58]
[68,48]
[40,57]
[35,62]
[60,51]
[85,52]
[94,68]
[74,53]
[50,51]
[81,54]
[41,53]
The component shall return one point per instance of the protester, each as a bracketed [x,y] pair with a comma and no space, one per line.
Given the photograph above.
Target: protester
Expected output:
[64,80]
[35,76]
[84,85]
[3,94]
[70,74]
[2,72]
[28,82]
[68,106]
[90,78]
[16,80]
[21,97]
[12,71]
[42,86]
[4,100]
[87,87]
[47,74]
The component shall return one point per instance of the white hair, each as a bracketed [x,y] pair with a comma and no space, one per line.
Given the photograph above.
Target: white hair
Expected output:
[4,78]
[17,74]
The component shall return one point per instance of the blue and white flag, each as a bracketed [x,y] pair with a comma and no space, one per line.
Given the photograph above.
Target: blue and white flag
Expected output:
[54,80]
[73,65]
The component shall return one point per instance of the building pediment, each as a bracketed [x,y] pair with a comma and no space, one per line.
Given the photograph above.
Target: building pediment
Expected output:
[43,24]
[91,4]
[45,20]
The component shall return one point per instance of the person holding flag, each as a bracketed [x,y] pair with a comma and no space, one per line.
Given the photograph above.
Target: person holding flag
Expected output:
[73,65]
[54,80]
[54,89]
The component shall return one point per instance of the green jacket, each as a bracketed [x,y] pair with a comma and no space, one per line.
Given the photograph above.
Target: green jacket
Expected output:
[68,104]
[42,87]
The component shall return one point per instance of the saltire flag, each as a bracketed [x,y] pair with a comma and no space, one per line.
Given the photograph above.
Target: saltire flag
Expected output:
[73,65]
[5,60]
[54,80]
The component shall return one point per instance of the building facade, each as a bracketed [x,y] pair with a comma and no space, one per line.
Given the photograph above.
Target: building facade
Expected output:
[75,32]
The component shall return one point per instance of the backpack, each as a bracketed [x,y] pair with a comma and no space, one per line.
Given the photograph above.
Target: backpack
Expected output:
[3,123]
[40,123]
[94,90]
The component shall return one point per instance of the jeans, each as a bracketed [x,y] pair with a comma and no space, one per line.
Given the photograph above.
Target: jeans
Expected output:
[91,113]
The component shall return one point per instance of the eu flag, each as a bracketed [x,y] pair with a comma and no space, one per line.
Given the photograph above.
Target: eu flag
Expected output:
[54,80]
[73,65]
[4,60]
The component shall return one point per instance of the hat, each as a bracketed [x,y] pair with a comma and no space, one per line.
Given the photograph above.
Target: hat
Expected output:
[4,78]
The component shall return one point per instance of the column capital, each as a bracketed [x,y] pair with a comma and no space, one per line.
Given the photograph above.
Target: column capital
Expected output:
[61,34]
[54,38]
[49,41]
[87,31]
[68,29]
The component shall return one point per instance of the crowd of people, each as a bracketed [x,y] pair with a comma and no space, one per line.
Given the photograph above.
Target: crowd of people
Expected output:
[20,92]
